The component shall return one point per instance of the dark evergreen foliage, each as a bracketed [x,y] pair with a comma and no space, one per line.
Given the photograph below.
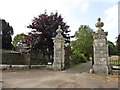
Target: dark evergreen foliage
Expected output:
[118,43]
[6,33]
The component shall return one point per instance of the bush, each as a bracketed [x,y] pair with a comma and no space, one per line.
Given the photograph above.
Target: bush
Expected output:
[90,59]
[115,62]
[76,59]
[83,58]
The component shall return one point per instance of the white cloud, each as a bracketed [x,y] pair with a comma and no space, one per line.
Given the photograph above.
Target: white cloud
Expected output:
[109,1]
[111,22]
[84,7]
[19,13]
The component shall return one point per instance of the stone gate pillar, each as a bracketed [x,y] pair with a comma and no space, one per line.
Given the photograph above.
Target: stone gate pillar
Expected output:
[58,63]
[100,49]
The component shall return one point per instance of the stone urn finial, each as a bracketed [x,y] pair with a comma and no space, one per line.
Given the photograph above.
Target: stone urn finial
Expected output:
[59,30]
[99,24]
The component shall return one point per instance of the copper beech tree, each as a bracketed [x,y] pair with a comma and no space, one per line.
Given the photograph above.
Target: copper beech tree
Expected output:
[46,26]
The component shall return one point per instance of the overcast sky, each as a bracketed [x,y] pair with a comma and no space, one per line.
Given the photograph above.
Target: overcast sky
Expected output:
[19,13]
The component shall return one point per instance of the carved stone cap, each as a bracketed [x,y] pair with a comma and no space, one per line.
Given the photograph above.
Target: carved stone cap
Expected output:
[99,24]
[59,30]
[59,35]
[100,35]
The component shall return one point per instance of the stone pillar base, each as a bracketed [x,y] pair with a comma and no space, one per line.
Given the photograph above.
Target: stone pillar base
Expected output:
[56,66]
[103,69]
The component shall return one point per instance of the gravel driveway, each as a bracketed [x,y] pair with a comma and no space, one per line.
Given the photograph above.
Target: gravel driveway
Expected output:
[76,77]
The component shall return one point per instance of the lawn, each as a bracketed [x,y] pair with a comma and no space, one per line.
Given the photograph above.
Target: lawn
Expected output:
[115,62]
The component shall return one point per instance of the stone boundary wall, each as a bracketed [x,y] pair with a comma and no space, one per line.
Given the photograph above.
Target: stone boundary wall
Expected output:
[13,58]
[21,67]
[114,57]
[16,58]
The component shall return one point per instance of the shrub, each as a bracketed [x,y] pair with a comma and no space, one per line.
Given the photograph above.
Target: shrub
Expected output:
[76,59]
[115,62]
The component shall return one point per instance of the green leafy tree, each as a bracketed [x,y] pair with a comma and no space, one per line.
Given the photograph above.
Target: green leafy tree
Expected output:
[112,48]
[17,38]
[83,42]
[67,55]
